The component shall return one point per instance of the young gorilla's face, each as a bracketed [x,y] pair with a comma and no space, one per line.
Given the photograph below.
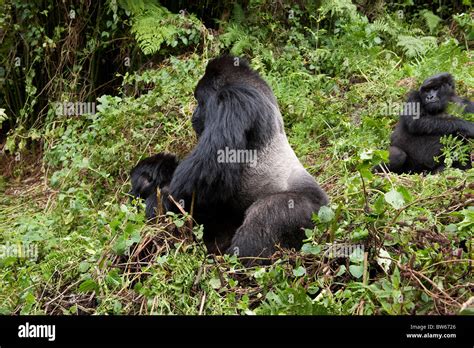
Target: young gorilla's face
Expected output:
[436,92]
[142,185]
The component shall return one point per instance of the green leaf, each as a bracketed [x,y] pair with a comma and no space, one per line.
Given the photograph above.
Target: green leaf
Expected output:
[366,155]
[416,46]
[341,271]
[198,231]
[425,297]
[356,270]
[360,234]
[135,237]
[309,248]
[405,194]
[432,20]
[379,204]
[451,228]
[120,246]
[396,278]
[88,285]
[215,283]
[259,272]
[309,233]
[84,266]
[299,272]
[117,307]
[313,289]
[395,199]
[366,173]
[325,214]
[179,223]
[357,256]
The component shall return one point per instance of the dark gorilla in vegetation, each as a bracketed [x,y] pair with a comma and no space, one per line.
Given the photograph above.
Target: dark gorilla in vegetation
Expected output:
[415,141]
[247,207]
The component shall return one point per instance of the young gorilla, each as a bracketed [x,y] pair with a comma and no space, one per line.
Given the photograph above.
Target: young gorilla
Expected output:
[152,173]
[415,140]
[246,208]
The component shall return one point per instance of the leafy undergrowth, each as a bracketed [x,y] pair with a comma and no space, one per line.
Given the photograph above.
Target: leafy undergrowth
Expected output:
[97,255]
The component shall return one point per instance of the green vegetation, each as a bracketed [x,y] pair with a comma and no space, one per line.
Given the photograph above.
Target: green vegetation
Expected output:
[334,68]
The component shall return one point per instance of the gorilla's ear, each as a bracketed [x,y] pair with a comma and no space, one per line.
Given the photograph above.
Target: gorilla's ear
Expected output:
[231,114]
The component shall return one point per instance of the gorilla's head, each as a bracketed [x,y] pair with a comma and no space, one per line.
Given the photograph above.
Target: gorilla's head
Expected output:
[152,172]
[142,182]
[221,72]
[436,92]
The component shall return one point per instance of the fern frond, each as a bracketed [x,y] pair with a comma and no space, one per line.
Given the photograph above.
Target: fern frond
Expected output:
[413,46]
[432,20]
[339,8]
[153,25]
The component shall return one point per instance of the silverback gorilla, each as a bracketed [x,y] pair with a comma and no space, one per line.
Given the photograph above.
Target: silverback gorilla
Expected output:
[415,141]
[251,192]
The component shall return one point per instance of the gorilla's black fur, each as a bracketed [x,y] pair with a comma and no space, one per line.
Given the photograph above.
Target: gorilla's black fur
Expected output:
[415,141]
[246,208]
[151,173]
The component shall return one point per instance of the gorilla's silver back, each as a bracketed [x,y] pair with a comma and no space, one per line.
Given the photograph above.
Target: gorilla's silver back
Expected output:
[277,168]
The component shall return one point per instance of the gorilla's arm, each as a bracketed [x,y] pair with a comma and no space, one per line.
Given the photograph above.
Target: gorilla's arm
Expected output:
[469,106]
[230,115]
[434,124]
[466,104]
